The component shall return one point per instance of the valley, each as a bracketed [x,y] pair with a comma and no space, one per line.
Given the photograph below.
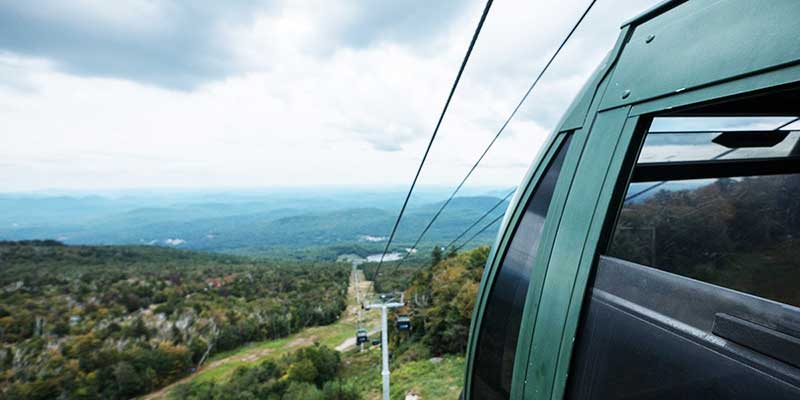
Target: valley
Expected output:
[183,295]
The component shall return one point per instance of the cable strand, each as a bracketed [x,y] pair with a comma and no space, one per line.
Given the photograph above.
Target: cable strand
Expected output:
[499,132]
[433,136]
[477,221]
[474,223]
[494,221]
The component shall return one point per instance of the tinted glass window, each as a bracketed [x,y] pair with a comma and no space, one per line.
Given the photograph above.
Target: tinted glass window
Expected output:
[739,232]
[698,146]
[497,338]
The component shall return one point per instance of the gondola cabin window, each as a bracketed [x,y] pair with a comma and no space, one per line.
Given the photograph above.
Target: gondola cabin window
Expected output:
[697,295]
[497,339]
[718,200]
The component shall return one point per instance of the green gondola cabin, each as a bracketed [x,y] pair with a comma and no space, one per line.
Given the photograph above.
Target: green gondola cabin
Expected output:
[653,249]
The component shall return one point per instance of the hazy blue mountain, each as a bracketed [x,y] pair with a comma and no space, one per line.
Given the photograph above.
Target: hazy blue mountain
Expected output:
[241,222]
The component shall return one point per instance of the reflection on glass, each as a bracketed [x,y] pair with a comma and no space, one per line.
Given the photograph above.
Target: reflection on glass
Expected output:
[497,338]
[740,233]
[673,124]
[691,139]
[672,147]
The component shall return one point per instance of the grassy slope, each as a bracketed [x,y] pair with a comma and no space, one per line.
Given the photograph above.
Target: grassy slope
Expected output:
[442,380]
[221,366]
[431,380]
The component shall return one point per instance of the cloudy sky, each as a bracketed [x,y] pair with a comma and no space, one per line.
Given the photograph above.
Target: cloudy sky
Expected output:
[158,93]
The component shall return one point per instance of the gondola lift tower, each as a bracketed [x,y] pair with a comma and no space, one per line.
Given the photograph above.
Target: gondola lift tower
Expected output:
[386,301]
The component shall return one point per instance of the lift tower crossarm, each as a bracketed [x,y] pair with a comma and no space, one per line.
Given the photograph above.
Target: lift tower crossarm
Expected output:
[384,306]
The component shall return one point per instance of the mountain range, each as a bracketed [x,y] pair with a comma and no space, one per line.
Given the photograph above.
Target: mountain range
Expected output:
[249,223]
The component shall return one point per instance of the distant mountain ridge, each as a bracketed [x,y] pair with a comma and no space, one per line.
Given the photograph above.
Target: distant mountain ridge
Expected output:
[224,225]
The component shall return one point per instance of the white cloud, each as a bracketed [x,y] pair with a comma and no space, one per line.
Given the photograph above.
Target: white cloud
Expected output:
[305,103]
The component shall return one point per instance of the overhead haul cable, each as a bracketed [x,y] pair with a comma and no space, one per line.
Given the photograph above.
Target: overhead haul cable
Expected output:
[474,223]
[477,221]
[499,132]
[494,221]
[433,136]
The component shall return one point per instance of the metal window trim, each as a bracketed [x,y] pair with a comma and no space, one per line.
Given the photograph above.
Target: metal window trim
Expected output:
[578,112]
[724,168]
[756,83]
[596,235]
[551,226]
[504,236]
[573,121]
[549,307]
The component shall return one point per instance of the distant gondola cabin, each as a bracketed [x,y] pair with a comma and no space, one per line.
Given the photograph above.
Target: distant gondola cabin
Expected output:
[403,323]
[361,336]
[653,249]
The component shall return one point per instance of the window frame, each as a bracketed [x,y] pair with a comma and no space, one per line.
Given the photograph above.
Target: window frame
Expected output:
[662,172]
[555,300]
[684,170]
[560,150]
[615,137]
[659,171]
[506,233]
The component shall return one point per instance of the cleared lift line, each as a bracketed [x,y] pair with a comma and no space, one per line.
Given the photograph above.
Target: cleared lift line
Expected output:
[433,136]
[485,151]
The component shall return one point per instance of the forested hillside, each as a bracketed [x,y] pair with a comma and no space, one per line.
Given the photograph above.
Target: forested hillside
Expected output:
[427,361]
[117,321]
[441,300]
[440,294]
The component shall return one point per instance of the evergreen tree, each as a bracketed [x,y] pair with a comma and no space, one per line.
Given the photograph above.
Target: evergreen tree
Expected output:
[436,255]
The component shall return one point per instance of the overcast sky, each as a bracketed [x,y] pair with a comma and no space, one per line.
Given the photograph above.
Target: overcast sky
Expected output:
[147,93]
